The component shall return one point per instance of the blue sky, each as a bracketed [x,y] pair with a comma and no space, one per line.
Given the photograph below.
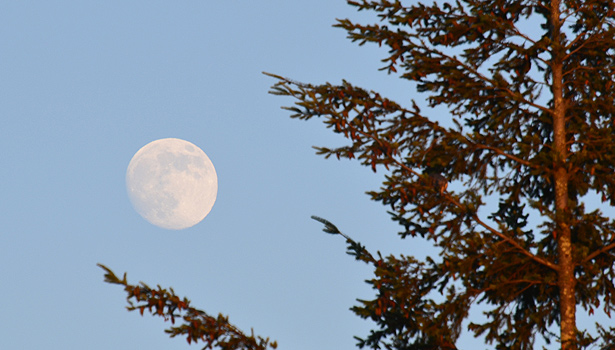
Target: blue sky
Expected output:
[85,84]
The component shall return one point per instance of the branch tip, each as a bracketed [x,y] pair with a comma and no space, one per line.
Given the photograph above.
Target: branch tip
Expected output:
[329,227]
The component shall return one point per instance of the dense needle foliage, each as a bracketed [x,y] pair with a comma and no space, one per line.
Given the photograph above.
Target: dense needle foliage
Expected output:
[529,86]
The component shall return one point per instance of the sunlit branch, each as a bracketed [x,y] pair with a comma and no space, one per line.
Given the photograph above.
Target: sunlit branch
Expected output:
[599,251]
[529,282]
[579,69]
[493,84]
[475,217]
[506,238]
[580,36]
[573,42]
[502,153]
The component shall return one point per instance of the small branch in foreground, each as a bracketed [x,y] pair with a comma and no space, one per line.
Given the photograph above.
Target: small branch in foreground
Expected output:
[197,325]
[354,248]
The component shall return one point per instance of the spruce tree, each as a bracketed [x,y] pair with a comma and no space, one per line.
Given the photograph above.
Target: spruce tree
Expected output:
[529,86]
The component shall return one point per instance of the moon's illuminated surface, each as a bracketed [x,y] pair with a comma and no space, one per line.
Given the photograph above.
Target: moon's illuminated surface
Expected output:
[172,183]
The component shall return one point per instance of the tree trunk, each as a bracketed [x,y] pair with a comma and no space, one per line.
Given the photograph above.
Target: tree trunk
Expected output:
[566,279]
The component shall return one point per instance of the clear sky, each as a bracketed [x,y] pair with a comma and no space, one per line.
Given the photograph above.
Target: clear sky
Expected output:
[85,84]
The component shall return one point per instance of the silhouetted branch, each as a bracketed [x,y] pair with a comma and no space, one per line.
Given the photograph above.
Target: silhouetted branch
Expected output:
[354,248]
[215,332]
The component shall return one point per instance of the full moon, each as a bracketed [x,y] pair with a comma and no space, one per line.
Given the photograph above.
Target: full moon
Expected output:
[172,183]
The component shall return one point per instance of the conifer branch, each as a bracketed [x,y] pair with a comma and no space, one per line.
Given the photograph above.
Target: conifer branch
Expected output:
[504,237]
[354,248]
[474,216]
[289,81]
[197,325]
[330,228]
[580,36]
[599,251]
[513,95]
[502,153]
[513,242]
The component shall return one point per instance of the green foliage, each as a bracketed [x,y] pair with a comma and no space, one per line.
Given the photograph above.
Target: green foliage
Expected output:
[529,86]
[197,325]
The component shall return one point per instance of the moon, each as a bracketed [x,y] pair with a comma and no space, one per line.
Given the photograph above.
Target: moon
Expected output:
[172,183]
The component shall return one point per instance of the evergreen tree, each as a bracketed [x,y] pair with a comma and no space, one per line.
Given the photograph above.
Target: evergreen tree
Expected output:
[532,109]
[532,113]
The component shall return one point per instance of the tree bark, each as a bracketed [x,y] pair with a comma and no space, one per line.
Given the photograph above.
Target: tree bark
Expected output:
[566,279]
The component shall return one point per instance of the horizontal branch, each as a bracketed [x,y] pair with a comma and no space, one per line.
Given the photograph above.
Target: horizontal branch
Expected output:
[500,152]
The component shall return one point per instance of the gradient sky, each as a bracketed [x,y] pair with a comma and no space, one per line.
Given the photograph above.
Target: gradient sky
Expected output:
[85,84]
